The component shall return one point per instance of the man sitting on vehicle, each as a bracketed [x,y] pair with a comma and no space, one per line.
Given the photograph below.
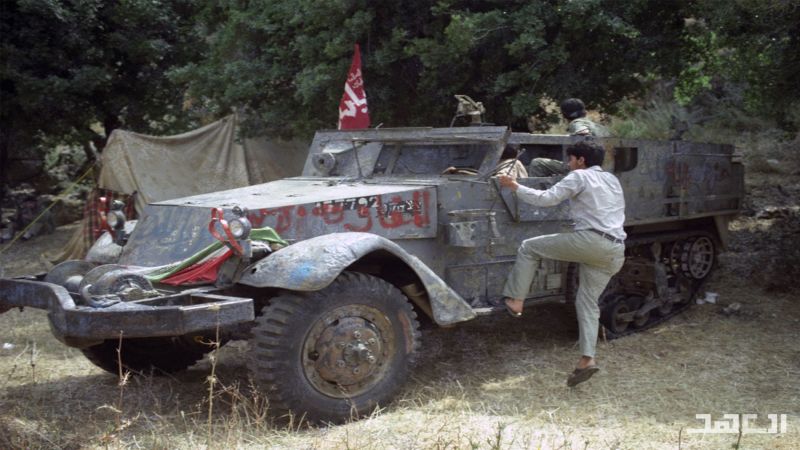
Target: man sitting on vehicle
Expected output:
[573,110]
[510,164]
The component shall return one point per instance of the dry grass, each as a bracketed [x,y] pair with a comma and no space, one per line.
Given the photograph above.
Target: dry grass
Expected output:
[497,383]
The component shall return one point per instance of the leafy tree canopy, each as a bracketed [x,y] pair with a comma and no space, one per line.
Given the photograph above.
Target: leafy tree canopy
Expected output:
[284,63]
[74,70]
[749,52]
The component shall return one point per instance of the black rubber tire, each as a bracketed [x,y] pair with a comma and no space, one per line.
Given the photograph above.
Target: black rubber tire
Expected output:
[284,328]
[143,356]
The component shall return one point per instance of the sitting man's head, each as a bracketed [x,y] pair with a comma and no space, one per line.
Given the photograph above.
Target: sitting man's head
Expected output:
[573,108]
[585,154]
[510,152]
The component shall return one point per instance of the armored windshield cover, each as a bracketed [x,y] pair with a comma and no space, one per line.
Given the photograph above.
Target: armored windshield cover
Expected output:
[405,152]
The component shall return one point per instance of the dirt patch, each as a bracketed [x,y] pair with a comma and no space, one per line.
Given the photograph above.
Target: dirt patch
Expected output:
[30,257]
[764,239]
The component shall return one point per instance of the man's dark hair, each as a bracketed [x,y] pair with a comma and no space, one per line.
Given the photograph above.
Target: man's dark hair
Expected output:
[591,152]
[511,151]
[572,108]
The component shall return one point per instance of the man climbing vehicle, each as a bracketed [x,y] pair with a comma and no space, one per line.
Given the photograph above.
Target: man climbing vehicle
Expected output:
[597,207]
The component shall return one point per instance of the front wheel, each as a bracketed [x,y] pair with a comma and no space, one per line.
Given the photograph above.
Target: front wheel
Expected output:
[337,353]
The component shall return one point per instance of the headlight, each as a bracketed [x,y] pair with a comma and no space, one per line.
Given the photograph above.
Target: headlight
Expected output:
[240,227]
[115,220]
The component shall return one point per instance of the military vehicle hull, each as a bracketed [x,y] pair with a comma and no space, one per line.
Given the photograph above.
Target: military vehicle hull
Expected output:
[382,228]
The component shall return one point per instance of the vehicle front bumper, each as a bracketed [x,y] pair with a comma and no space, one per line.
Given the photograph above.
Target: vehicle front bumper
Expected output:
[170,315]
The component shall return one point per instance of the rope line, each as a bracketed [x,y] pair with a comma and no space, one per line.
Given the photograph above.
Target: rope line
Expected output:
[59,197]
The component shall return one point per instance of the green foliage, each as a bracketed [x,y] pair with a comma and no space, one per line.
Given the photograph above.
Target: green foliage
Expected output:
[749,45]
[696,78]
[705,118]
[72,71]
[284,63]
[651,121]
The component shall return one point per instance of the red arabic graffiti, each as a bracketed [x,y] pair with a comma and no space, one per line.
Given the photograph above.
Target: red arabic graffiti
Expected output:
[421,217]
[363,213]
[330,213]
[283,222]
[393,214]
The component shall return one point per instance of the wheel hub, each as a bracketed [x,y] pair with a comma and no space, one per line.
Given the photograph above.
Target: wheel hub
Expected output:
[347,350]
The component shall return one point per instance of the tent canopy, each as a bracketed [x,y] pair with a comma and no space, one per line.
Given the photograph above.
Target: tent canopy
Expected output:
[204,160]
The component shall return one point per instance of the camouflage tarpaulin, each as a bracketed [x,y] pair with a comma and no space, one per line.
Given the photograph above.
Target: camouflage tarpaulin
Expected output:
[204,160]
[208,159]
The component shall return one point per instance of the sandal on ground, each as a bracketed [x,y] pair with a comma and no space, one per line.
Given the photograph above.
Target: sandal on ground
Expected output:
[580,375]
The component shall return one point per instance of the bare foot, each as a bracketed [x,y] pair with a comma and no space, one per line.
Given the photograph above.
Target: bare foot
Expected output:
[585,362]
[515,305]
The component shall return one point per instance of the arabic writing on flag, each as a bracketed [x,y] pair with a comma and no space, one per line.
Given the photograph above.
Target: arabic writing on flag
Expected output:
[353,111]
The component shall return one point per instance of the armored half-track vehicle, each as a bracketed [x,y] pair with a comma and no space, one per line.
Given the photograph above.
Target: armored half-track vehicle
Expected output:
[328,274]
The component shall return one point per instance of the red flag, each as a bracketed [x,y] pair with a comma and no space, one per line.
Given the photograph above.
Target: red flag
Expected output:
[353,107]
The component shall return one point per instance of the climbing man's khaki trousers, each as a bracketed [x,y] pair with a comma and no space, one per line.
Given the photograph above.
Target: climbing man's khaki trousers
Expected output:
[599,259]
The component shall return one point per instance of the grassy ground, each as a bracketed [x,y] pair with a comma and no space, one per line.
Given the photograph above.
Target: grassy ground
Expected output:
[497,383]
[490,384]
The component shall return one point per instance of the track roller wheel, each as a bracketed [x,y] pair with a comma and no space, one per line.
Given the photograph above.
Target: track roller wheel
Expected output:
[696,257]
[611,314]
[664,309]
[635,302]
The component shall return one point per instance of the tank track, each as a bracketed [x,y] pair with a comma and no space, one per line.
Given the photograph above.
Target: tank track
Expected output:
[677,308]
[654,319]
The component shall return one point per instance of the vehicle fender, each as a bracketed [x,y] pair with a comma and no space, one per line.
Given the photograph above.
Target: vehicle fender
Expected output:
[313,264]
